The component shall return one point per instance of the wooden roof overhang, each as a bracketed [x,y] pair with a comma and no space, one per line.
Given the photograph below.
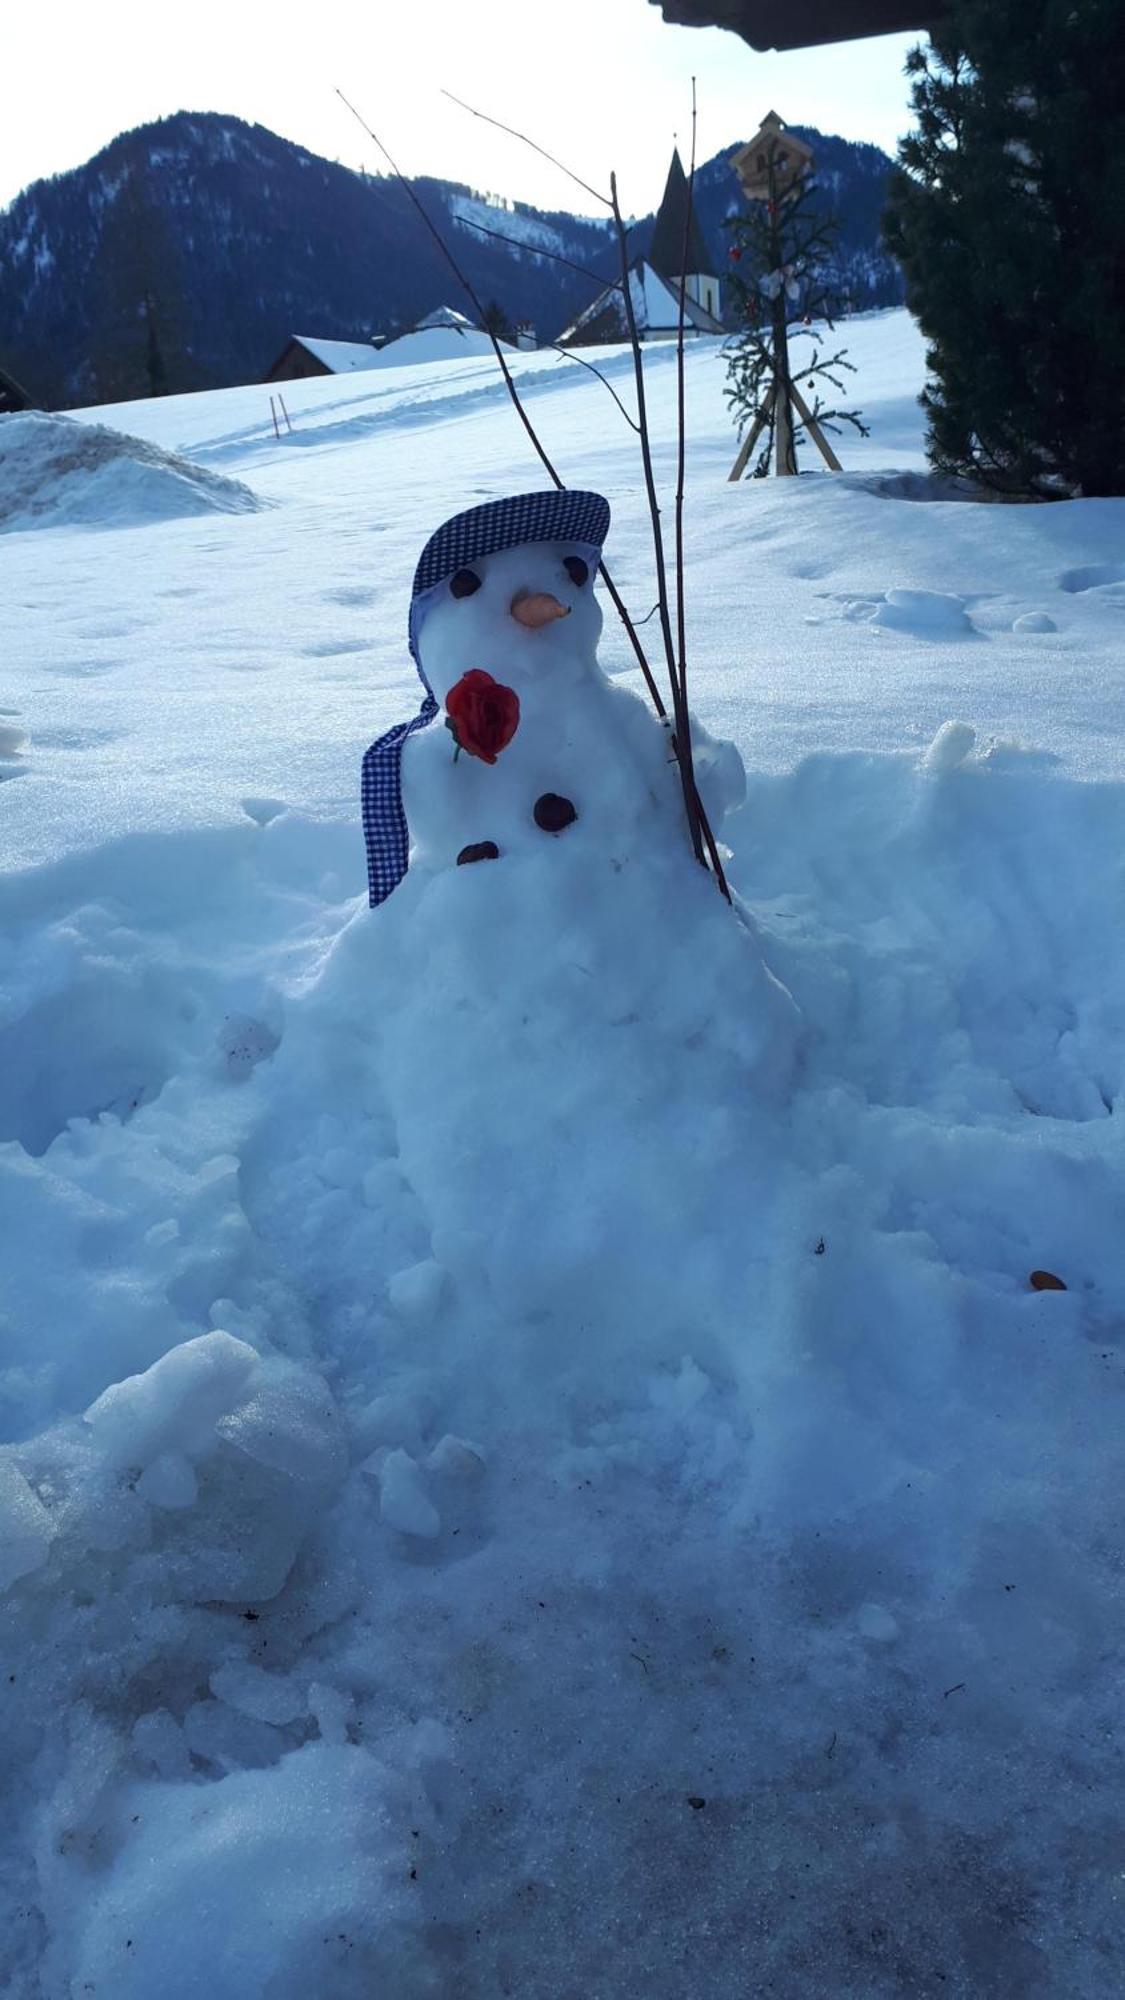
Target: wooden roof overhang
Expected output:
[804,24]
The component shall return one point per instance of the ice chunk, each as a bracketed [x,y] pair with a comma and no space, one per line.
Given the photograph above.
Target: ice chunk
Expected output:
[950,746]
[1034,621]
[289,1423]
[277,1463]
[333,1711]
[175,1405]
[876,1623]
[416,1293]
[227,1738]
[26,1529]
[169,1481]
[404,1503]
[158,1741]
[266,1697]
[456,1458]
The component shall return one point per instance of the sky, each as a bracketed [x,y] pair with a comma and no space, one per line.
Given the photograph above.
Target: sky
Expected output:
[602,83]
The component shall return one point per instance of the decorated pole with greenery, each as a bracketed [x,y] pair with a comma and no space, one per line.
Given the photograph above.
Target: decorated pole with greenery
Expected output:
[781,262]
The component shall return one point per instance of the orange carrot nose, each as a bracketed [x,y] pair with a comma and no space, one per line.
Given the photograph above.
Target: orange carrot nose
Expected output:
[537,607]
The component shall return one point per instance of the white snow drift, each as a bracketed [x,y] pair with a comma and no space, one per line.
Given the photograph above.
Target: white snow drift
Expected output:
[54,471]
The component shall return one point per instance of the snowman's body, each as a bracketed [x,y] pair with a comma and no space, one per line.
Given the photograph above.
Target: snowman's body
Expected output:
[580,738]
[575,1035]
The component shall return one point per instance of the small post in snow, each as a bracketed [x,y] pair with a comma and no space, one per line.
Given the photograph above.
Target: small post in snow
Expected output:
[273,414]
[284,411]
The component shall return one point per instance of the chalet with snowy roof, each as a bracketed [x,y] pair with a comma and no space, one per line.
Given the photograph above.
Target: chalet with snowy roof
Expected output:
[12,397]
[303,356]
[444,335]
[654,281]
[445,316]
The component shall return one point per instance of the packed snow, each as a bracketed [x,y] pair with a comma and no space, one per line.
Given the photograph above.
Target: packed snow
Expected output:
[536,1463]
[54,471]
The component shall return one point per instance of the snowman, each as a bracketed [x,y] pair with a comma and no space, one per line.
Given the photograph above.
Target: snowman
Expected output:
[539,746]
[576,1039]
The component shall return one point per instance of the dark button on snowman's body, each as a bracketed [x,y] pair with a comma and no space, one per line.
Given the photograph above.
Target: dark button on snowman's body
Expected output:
[552,812]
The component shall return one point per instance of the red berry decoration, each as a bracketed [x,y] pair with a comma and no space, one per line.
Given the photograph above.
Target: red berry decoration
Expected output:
[735,255]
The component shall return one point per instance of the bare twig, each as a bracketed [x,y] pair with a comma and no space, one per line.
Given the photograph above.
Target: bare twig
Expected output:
[681,424]
[535,147]
[614,593]
[698,828]
[634,641]
[682,739]
[535,250]
[679,682]
[603,379]
[464,282]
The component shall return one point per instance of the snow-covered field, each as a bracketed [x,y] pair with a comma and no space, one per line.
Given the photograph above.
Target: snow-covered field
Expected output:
[509,1490]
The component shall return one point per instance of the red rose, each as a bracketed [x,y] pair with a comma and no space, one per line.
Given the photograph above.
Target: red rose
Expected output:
[482,715]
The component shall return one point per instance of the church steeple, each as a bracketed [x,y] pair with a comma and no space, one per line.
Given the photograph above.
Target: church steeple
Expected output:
[667,252]
[654,282]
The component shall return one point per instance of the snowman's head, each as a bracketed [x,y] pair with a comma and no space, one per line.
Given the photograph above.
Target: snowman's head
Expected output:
[527,615]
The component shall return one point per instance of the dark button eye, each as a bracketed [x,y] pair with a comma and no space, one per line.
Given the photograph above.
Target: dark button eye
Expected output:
[465,583]
[576,569]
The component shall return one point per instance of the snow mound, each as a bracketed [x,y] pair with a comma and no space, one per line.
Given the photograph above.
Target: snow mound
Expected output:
[927,614]
[290,1865]
[55,472]
[389,1676]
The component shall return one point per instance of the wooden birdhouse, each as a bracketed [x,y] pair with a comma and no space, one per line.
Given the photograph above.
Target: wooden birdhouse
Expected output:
[773,162]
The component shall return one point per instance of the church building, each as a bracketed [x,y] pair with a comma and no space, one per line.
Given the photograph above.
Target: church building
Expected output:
[654,282]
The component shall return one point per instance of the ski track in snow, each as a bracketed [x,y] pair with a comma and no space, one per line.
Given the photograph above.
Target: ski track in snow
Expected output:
[735,1611]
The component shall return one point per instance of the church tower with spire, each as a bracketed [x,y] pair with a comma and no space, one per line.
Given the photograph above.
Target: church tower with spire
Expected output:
[666,254]
[654,282]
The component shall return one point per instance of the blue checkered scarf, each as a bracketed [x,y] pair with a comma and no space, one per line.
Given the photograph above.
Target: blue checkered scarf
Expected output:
[582,520]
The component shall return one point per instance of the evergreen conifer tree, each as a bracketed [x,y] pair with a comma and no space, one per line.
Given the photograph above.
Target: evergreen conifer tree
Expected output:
[496,321]
[1007,212]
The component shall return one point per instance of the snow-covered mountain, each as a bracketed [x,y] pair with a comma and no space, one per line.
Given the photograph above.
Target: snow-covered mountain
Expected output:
[185,254]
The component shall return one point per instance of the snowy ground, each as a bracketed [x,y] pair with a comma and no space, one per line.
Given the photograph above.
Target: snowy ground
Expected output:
[601,1520]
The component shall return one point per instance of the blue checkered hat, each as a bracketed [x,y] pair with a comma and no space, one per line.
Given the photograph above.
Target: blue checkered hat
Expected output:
[580,519]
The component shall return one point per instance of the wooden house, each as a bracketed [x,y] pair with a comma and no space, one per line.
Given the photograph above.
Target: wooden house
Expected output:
[303,356]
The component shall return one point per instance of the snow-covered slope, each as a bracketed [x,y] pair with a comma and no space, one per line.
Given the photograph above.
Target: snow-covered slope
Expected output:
[503,1497]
